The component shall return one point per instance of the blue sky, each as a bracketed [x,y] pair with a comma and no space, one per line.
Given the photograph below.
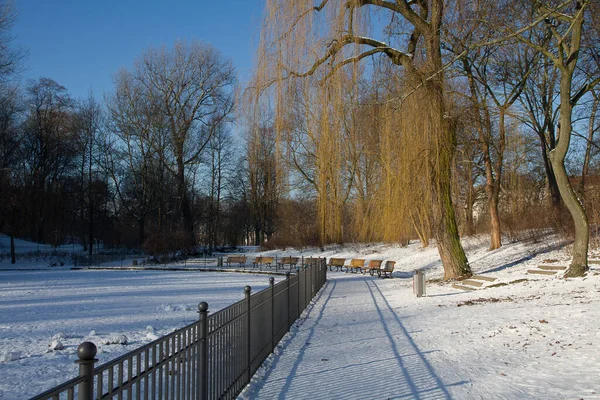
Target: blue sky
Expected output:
[82,43]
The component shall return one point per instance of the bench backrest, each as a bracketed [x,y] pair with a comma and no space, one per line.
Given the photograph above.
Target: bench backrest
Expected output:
[289,260]
[236,259]
[374,264]
[263,260]
[336,262]
[389,265]
[357,262]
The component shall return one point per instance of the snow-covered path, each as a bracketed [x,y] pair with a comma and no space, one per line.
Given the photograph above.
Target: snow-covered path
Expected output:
[361,338]
[369,338]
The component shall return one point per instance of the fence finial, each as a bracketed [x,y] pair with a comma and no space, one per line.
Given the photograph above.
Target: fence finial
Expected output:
[271,280]
[203,306]
[247,289]
[87,351]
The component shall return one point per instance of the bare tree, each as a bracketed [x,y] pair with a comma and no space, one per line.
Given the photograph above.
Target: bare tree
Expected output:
[133,151]
[88,120]
[48,149]
[264,187]
[11,109]
[302,39]
[11,57]
[219,165]
[566,29]
[192,84]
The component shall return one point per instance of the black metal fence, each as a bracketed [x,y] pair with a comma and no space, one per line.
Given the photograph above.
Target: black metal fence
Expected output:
[213,358]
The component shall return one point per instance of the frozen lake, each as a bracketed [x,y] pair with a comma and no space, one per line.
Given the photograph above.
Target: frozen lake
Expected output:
[76,306]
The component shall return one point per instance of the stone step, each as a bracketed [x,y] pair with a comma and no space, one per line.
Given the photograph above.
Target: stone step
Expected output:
[471,282]
[540,272]
[593,261]
[483,278]
[462,287]
[552,267]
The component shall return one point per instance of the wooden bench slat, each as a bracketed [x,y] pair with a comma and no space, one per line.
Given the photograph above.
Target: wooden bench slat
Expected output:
[338,263]
[236,260]
[389,268]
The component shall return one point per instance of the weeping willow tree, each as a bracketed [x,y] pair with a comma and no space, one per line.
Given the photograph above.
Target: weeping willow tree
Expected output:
[310,61]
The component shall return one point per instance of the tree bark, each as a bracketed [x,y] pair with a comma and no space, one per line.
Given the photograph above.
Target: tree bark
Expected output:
[579,264]
[588,147]
[555,199]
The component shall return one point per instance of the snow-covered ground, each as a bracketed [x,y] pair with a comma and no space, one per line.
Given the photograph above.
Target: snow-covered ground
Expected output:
[25,246]
[74,306]
[369,338]
[363,338]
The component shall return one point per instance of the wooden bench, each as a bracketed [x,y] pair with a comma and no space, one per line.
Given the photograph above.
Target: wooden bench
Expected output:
[388,269]
[261,260]
[338,263]
[373,266]
[241,260]
[308,261]
[291,261]
[356,264]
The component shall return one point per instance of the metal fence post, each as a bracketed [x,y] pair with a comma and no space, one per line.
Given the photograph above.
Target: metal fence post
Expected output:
[271,284]
[298,291]
[247,291]
[86,353]
[306,288]
[312,282]
[203,352]
[287,316]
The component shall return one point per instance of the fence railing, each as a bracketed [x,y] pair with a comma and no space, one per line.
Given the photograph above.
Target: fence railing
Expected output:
[213,358]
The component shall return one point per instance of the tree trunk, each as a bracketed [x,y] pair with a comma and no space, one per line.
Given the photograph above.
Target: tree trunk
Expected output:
[186,211]
[451,251]
[469,223]
[579,265]
[90,200]
[495,234]
[469,220]
[494,185]
[142,229]
[555,200]
[588,147]
[13,257]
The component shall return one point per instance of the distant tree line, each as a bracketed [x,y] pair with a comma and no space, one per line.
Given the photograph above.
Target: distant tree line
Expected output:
[461,118]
